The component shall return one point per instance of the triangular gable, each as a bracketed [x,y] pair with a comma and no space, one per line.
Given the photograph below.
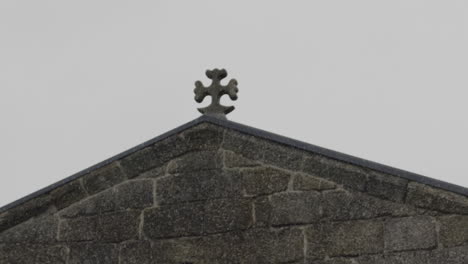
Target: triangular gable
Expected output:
[215,191]
[359,174]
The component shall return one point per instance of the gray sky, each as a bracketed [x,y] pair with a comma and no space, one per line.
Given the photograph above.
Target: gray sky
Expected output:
[81,81]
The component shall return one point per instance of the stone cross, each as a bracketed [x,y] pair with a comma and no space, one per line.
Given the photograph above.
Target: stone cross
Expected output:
[216,90]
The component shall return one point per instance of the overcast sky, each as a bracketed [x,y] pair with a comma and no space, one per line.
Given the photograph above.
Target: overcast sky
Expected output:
[81,81]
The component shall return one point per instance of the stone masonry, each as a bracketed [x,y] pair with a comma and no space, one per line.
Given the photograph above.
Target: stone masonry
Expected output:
[212,195]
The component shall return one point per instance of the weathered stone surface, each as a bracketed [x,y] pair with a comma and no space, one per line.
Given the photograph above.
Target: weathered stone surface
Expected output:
[174,221]
[233,160]
[315,165]
[103,178]
[25,211]
[262,211]
[344,239]
[113,227]
[32,253]
[196,161]
[51,255]
[446,256]
[154,173]
[348,175]
[154,156]
[453,230]
[227,215]
[67,194]
[264,180]
[264,151]
[118,227]
[288,209]
[97,204]
[410,233]
[281,246]
[204,137]
[455,255]
[260,246]
[387,187]
[423,196]
[79,229]
[196,186]
[283,156]
[140,162]
[334,261]
[341,205]
[37,230]
[295,208]
[197,218]
[247,146]
[93,253]
[4,221]
[411,257]
[135,252]
[305,182]
[134,194]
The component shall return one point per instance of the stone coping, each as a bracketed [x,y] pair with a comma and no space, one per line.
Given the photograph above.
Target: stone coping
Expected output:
[260,134]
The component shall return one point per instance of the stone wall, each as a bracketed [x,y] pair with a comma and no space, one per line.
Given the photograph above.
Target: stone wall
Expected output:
[212,195]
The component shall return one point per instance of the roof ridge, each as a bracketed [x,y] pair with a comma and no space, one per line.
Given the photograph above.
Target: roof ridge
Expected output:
[339,156]
[256,133]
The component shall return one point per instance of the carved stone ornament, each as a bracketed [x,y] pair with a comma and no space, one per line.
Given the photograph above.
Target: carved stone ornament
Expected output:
[216,90]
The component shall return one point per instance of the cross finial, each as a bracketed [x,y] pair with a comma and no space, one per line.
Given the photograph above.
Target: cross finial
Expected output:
[216,90]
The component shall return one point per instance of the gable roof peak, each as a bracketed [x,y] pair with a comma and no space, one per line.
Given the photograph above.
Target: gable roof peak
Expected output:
[213,133]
